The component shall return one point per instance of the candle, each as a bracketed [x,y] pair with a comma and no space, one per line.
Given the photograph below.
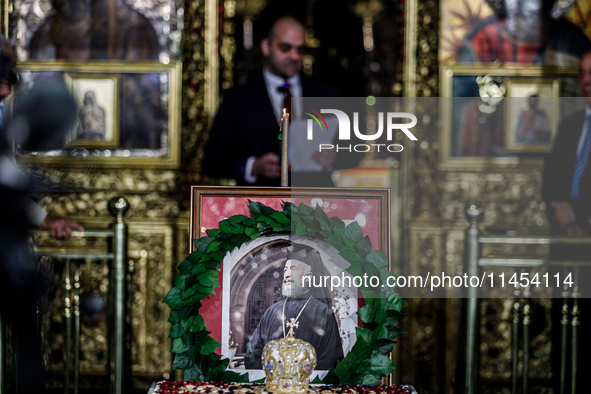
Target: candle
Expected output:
[285,149]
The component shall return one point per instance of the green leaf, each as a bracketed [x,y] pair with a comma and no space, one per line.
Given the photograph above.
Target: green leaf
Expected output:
[288,208]
[202,243]
[331,377]
[188,293]
[371,270]
[337,223]
[237,219]
[363,334]
[380,366]
[321,216]
[252,232]
[218,368]
[394,332]
[174,317]
[184,312]
[173,298]
[229,376]
[255,208]
[280,217]
[276,226]
[336,241]
[225,226]
[301,229]
[217,257]
[393,320]
[178,346]
[363,246]
[179,281]
[380,332]
[378,258]
[305,210]
[176,331]
[355,270]
[198,268]
[193,257]
[351,257]
[367,313]
[212,233]
[317,380]
[353,231]
[238,229]
[209,346]
[214,247]
[313,229]
[267,211]
[194,373]
[370,380]
[397,304]
[343,373]
[181,361]
[193,323]
[349,243]
[184,267]
[209,278]
[384,346]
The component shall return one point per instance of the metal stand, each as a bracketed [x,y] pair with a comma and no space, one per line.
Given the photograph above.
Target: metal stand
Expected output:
[570,317]
[118,349]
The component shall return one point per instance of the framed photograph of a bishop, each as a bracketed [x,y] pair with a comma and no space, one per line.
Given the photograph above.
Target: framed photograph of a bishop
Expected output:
[281,277]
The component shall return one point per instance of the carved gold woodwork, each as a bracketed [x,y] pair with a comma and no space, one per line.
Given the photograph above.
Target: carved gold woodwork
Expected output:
[151,251]
[436,201]
[433,218]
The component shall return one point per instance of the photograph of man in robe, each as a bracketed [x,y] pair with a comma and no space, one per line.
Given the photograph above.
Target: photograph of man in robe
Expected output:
[307,305]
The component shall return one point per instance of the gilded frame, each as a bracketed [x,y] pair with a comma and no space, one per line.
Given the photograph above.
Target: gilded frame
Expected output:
[167,156]
[449,161]
[515,90]
[210,205]
[107,102]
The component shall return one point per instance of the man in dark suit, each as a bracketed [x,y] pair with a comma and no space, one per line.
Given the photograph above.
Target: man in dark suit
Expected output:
[567,173]
[243,142]
[566,189]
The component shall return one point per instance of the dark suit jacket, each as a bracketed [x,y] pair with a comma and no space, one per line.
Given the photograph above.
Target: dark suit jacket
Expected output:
[559,168]
[245,126]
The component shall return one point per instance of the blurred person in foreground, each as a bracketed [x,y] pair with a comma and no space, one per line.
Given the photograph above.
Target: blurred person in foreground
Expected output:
[58,227]
[39,121]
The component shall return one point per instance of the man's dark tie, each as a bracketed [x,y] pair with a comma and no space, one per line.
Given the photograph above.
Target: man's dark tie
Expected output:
[286,97]
[581,162]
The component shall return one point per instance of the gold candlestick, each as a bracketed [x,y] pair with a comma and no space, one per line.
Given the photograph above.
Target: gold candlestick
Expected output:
[285,149]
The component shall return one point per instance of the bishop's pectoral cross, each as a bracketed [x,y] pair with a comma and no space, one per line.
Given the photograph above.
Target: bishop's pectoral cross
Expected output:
[291,324]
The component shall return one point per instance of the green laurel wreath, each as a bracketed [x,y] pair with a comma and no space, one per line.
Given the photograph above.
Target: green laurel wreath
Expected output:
[194,349]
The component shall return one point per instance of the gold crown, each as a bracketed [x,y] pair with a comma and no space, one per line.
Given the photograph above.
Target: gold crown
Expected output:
[288,364]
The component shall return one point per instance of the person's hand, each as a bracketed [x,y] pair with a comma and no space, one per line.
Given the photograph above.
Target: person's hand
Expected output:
[60,228]
[325,158]
[267,166]
[565,218]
